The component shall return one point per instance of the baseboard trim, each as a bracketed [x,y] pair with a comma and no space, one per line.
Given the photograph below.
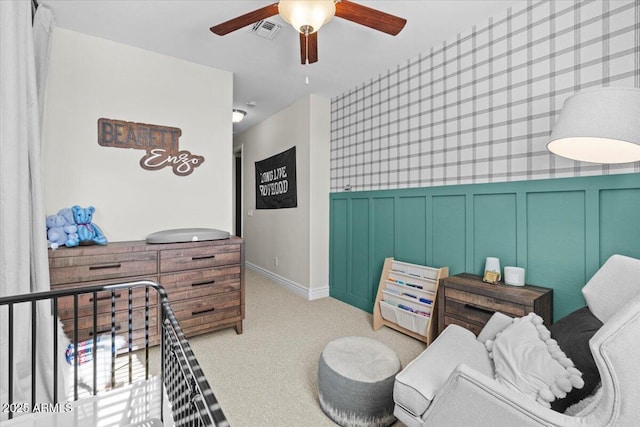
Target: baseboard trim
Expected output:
[309,294]
[319,293]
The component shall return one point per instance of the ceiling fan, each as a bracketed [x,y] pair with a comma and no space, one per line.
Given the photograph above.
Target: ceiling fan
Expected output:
[307,16]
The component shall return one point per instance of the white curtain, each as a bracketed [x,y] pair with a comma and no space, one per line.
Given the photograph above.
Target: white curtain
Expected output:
[43,26]
[23,243]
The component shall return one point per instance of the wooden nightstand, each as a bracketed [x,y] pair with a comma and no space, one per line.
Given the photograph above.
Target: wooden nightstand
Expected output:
[466,300]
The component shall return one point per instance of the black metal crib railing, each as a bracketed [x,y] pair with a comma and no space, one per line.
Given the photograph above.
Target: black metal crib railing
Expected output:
[192,401]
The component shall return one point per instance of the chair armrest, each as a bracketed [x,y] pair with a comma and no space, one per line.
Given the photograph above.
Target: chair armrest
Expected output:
[473,399]
[613,285]
[417,384]
[496,323]
[616,352]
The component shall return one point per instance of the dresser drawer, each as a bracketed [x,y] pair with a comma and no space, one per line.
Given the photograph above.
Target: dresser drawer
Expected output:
[200,313]
[103,326]
[201,283]
[488,304]
[198,257]
[103,302]
[104,266]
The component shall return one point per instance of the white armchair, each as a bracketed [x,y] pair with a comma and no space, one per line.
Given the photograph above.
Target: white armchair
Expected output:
[452,382]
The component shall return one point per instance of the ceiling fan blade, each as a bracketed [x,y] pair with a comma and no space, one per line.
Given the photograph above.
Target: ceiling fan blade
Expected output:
[246,19]
[369,17]
[309,48]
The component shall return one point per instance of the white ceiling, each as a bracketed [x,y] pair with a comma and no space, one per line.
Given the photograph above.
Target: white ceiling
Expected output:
[268,72]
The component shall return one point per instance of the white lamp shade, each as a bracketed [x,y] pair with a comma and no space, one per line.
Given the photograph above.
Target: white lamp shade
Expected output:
[599,126]
[237,116]
[306,15]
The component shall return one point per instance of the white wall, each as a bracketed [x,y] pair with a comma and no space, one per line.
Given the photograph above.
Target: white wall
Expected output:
[91,78]
[298,237]
[319,188]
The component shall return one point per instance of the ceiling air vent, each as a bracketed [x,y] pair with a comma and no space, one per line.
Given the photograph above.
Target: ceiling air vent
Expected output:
[265,29]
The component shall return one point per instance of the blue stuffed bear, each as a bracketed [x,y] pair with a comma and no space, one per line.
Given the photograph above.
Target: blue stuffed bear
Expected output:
[56,236]
[87,231]
[70,227]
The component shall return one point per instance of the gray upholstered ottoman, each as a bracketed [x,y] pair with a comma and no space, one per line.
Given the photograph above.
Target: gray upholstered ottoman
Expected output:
[355,382]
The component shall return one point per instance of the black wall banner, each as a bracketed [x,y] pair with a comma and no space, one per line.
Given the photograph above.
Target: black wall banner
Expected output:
[276,181]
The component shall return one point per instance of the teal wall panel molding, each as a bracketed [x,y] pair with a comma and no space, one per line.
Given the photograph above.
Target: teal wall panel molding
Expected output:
[560,230]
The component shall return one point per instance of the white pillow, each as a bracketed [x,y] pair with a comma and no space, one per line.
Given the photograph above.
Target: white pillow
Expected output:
[528,360]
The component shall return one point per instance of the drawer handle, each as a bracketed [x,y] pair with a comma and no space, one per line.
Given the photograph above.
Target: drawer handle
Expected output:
[483,310]
[196,258]
[196,313]
[105,298]
[105,331]
[206,282]
[103,266]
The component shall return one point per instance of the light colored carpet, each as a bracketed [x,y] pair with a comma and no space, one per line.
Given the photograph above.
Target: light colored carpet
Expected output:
[268,375]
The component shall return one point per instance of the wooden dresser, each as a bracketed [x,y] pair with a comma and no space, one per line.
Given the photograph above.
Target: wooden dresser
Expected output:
[467,301]
[204,281]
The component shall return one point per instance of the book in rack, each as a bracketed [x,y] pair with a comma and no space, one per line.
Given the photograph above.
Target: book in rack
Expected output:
[406,299]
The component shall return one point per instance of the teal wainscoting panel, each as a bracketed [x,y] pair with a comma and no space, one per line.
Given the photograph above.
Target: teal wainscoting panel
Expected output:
[411,226]
[383,231]
[494,230]
[556,242]
[619,228]
[449,232]
[339,244]
[559,230]
[360,277]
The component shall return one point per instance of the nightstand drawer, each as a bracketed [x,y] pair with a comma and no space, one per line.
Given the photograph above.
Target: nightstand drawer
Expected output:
[198,257]
[473,327]
[467,311]
[482,304]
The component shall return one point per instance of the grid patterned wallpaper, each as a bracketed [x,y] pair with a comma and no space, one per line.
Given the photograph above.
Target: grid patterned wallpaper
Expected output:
[480,108]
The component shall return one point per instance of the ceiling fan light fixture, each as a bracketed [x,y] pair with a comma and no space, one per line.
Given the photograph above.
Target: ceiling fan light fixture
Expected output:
[237,115]
[307,16]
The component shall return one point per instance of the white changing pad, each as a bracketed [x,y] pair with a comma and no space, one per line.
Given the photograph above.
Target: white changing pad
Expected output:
[186,235]
[136,404]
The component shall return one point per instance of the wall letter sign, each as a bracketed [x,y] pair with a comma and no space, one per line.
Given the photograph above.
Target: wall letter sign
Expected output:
[160,143]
